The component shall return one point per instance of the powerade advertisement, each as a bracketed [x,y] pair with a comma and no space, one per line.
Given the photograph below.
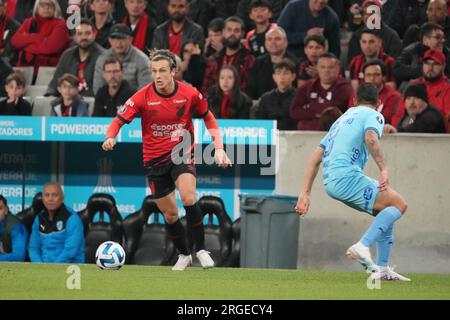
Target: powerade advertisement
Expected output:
[36,150]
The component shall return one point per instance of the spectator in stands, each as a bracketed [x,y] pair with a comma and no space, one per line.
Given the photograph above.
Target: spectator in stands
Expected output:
[260,79]
[202,12]
[193,64]
[436,13]
[315,45]
[102,20]
[392,44]
[303,17]
[275,104]
[13,235]
[57,234]
[408,65]
[15,105]
[233,53]
[260,14]
[375,72]
[244,8]
[70,103]
[79,60]
[173,33]
[214,41]
[140,23]
[420,115]
[113,95]
[318,94]
[42,38]
[371,48]
[225,99]
[437,85]
[406,13]
[8,27]
[134,62]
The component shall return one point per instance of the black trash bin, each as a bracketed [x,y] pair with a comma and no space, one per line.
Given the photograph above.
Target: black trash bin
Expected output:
[269,231]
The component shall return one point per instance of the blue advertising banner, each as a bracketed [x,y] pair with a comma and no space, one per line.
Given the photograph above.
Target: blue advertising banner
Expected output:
[21,128]
[73,157]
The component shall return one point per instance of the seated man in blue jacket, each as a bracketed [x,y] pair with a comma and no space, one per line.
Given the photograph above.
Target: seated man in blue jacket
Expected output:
[13,235]
[57,235]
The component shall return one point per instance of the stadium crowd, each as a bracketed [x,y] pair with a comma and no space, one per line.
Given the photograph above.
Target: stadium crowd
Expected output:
[298,62]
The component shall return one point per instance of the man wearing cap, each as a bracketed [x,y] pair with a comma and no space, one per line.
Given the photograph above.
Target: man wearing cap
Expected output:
[392,44]
[420,115]
[135,63]
[8,27]
[437,84]
[408,65]
[79,60]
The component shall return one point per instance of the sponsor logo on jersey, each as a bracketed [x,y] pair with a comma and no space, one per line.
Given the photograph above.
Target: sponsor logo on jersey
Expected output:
[380,120]
[154,103]
[122,109]
[180,101]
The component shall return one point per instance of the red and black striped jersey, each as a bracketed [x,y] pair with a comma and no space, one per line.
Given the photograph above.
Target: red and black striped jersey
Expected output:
[164,119]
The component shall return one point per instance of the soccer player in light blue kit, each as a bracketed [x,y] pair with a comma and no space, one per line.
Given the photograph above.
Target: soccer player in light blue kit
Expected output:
[344,152]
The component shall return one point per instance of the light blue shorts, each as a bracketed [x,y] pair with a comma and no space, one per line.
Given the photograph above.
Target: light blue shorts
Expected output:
[358,191]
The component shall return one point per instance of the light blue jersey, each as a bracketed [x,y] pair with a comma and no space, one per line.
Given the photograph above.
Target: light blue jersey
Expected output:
[345,155]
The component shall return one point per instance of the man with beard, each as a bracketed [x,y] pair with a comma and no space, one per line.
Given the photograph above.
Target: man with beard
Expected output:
[173,33]
[113,95]
[79,60]
[437,85]
[233,53]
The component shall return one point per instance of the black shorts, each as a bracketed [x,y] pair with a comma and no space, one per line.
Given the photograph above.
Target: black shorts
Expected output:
[161,179]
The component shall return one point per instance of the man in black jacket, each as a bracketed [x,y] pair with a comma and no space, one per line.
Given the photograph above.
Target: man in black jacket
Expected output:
[173,33]
[113,95]
[408,65]
[275,104]
[420,116]
[260,78]
[79,60]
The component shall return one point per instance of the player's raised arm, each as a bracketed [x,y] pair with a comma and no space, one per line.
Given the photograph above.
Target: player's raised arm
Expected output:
[373,144]
[111,134]
[309,176]
[220,155]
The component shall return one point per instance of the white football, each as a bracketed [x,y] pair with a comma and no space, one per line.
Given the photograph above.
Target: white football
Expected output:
[110,256]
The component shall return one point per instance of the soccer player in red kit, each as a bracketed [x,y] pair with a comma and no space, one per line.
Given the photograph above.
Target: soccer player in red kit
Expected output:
[166,107]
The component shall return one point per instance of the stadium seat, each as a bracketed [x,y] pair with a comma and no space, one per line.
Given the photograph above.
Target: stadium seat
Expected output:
[98,232]
[218,238]
[233,261]
[27,216]
[27,73]
[44,76]
[147,242]
[90,101]
[35,91]
[41,106]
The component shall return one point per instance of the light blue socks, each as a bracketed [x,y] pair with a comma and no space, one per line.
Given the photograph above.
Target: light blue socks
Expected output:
[381,230]
[384,247]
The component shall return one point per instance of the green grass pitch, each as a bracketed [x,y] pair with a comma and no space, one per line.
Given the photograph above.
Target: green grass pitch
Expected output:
[49,281]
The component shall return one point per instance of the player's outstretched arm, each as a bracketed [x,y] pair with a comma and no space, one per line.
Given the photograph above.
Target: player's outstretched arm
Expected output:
[309,176]
[220,155]
[373,144]
[111,134]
